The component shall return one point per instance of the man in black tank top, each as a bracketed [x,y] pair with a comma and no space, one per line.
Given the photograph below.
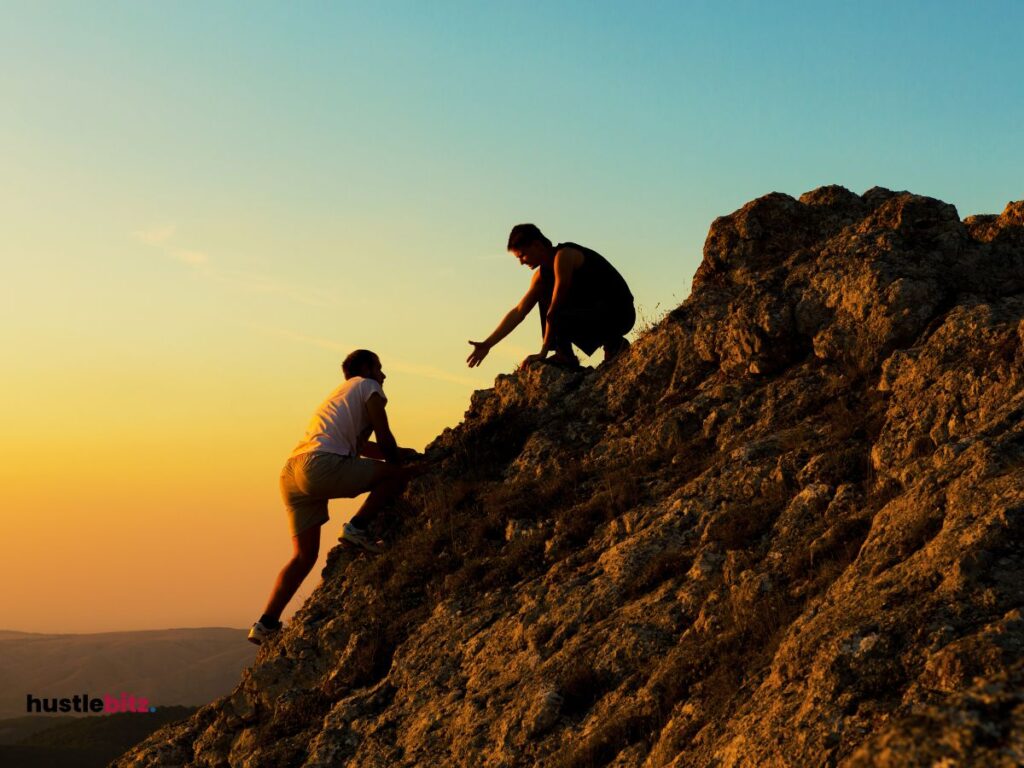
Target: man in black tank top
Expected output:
[583,300]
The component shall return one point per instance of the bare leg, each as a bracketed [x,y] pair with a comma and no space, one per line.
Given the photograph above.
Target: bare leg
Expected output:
[388,483]
[295,571]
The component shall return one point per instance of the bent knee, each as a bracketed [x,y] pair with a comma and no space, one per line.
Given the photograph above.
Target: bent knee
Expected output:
[388,473]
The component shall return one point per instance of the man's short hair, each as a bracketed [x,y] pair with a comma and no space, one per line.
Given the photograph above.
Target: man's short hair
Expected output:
[357,362]
[524,234]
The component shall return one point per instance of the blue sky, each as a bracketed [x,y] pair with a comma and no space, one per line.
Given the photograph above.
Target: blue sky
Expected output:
[430,128]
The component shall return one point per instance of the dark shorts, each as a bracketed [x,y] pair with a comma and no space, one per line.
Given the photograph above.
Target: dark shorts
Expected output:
[309,480]
[594,325]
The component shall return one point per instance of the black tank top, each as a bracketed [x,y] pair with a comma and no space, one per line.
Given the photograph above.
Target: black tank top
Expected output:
[596,281]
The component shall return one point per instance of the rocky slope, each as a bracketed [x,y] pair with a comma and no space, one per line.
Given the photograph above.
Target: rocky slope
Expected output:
[785,529]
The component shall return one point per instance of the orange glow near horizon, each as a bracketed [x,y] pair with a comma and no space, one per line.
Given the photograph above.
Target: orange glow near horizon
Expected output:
[130,513]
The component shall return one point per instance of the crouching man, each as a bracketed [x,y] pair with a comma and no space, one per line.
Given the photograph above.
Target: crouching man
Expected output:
[335,460]
[583,301]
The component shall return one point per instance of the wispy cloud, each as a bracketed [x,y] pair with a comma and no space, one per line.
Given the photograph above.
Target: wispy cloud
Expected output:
[437,374]
[313,341]
[254,283]
[156,235]
[190,257]
[392,363]
[162,239]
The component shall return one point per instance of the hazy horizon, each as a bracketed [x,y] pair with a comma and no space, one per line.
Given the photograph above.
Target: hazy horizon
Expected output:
[187,666]
[6,631]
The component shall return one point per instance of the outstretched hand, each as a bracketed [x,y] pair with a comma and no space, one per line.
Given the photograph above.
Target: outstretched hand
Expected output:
[480,350]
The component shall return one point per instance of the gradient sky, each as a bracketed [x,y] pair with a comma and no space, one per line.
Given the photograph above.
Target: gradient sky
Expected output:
[206,205]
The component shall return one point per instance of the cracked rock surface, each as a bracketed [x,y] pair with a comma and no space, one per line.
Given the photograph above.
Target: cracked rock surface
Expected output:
[786,528]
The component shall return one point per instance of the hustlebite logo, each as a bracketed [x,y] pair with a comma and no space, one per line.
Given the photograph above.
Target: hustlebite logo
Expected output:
[108,703]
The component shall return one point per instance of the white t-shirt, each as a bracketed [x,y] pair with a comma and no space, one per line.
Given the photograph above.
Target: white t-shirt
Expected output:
[341,424]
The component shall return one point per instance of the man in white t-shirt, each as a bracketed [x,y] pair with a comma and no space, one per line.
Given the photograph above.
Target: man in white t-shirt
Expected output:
[335,459]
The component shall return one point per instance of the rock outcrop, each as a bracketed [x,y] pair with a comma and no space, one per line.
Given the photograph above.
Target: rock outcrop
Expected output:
[784,529]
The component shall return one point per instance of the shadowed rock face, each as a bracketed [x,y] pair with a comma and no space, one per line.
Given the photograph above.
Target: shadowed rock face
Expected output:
[784,529]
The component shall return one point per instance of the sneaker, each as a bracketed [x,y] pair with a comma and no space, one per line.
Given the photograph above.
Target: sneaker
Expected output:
[357,537]
[261,632]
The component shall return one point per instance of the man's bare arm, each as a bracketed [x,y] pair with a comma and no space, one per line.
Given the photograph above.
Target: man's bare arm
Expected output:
[371,451]
[567,261]
[386,443]
[508,323]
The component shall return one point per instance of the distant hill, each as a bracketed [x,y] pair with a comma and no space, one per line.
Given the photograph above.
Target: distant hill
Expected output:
[16,729]
[168,666]
[78,742]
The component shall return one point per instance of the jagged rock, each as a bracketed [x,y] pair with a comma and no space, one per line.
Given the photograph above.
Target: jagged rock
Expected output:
[784,529]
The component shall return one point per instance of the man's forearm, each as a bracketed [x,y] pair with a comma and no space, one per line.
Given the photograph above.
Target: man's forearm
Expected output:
[545,346]
[550,322]
[505,327]
[551,318]
[371,451]
[389,448]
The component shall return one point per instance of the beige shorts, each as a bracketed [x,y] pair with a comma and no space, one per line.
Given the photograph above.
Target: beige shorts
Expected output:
[310,479]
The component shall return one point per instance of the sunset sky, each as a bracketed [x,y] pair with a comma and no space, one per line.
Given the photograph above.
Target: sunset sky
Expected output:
[205,206]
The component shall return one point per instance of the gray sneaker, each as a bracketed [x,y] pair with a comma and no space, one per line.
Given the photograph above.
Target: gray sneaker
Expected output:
[261,632]
[357,537]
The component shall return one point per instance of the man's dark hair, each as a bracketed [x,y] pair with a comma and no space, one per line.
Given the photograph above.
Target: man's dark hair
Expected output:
[357,362]
[524,234]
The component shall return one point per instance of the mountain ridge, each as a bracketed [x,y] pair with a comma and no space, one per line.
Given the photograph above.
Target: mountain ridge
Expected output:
[783,529]
[172,666]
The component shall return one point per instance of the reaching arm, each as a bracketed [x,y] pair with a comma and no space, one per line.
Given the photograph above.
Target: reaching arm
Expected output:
[508,323]
[386,444]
